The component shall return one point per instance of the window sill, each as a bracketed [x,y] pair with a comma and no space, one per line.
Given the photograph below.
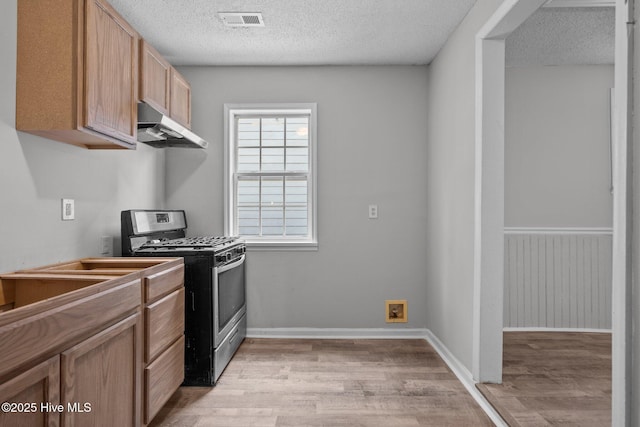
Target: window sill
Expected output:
[274,245]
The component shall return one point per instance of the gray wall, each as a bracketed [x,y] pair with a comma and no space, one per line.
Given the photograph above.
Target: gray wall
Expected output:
[557,163]
[450,194]
[558,175]
[450,186]
[371,150]
[36,173]
[635,256]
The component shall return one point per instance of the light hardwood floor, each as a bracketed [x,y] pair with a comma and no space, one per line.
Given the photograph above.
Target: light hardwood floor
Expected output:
[554,378]
[296,382]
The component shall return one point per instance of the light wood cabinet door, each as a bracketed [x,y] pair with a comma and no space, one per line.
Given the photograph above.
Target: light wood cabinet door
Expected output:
[155,78]
[104,373]
[180,110]
[111,73]
[30,389]
[163,87]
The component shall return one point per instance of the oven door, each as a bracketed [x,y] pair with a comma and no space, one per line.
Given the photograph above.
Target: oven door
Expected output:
[229,303]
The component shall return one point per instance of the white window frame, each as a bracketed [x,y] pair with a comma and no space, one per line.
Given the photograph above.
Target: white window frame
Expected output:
[231,112]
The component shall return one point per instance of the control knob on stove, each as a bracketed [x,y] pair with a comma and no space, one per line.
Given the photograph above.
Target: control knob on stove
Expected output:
[224,257]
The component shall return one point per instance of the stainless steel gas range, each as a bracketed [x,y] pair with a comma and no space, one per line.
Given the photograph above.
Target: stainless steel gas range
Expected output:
[215,305]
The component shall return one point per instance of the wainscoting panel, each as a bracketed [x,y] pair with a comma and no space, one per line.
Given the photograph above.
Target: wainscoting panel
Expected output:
[557,278]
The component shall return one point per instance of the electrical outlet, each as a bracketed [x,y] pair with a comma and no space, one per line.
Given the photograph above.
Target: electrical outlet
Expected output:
[68,210]
[106,245]
[373,211]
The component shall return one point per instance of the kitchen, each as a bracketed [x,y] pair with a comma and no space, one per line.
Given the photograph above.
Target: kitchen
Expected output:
[359,108]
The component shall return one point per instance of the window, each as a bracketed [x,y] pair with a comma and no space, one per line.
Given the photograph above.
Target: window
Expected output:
[270,174]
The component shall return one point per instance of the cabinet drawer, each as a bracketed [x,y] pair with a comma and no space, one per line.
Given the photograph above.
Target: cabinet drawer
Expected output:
[162,378]
[164,323]
[163,282]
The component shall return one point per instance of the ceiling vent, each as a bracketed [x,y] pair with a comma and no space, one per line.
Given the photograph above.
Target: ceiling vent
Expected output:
[242,19]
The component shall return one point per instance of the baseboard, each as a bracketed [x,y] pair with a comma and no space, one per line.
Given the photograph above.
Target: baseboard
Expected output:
[465,377]
[532,329]
[337,333]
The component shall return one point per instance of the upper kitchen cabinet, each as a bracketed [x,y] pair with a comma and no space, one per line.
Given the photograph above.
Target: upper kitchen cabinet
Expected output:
[155,78]
[163,87]
[180,110]
[77,73]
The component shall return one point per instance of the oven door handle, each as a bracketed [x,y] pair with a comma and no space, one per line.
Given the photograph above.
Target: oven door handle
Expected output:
[232,265]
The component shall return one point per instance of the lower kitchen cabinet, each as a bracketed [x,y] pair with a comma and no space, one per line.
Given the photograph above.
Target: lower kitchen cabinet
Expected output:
[96,382]
[91,342]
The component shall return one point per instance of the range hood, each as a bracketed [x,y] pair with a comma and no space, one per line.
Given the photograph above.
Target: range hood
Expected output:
[158,130]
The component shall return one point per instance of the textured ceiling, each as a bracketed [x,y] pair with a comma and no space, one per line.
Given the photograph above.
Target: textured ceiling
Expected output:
[563,36]
[297,32]
[350,32]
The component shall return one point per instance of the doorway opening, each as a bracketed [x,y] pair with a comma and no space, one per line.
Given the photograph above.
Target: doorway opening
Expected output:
[490,198]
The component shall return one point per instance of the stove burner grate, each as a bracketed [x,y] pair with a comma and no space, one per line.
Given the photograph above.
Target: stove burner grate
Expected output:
[191,242]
